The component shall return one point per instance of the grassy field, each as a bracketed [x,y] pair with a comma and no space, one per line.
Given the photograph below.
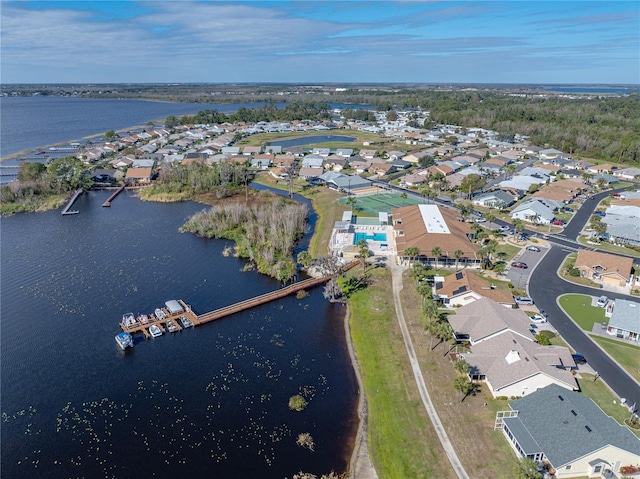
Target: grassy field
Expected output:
[578,307]
[601,395]
[506,252]
[402,441]
[627,355]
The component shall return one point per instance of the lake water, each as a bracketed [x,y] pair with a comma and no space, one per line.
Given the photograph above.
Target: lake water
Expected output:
[310,140]
[207,402]
[34,122]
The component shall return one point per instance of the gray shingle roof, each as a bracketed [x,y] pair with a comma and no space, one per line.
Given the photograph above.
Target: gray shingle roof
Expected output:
[566,425]
[626,315]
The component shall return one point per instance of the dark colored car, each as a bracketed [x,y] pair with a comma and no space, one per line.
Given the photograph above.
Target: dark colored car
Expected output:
[579,358]
[519,264]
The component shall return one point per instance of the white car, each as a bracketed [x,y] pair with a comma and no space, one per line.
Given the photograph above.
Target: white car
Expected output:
[537,318]
[602,301]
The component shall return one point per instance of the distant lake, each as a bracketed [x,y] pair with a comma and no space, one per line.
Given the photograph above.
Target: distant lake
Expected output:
[311,140]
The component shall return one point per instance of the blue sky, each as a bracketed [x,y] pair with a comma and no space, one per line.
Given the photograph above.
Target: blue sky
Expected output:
[317,42]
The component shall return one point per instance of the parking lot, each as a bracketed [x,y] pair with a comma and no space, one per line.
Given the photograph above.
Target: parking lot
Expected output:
[519,277]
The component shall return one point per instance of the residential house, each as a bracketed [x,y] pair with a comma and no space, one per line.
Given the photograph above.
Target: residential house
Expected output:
[340,181]
[312,161]
[561,190]
[138,175]
[464,287]
[344,152]
[428,227]
[274,149]
[605,268]
[570,433]
[622,223]
[416,156]
[413,179]
[628,173]
[251,150]
[284,160]
[603,169]
[143,163]
[310,172]
[494,199]
[551,153]
[625,320]
[367,154]
[504,354]
[101,175]
[534,211]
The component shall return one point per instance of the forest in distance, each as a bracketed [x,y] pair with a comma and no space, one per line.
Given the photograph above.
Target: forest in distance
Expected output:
[589,125]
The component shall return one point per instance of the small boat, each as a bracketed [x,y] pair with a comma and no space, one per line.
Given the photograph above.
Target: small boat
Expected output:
[155,330]
[144,318]
[124,340]
[129,320]
[171,326]
[186,323]
[159,313]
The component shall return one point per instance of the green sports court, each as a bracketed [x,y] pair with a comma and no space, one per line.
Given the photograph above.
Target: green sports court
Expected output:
[385,202]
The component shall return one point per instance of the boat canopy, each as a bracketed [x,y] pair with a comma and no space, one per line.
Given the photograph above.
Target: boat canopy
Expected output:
[174,307]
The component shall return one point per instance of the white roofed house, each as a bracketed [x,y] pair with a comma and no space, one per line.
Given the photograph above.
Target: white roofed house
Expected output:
[312,161]
[623,225]
[625,320]
[504,353]
[534,211]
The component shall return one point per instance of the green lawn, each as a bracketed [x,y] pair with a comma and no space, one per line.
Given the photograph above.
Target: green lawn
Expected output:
[627,355]
[506,252]
[402,441]
[578,307]
[601,395]
[605,246]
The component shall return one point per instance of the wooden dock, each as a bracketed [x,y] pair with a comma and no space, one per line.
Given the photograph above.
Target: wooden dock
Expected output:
[107,203]
[197,320]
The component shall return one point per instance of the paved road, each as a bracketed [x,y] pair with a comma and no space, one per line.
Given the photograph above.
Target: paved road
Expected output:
[545,286]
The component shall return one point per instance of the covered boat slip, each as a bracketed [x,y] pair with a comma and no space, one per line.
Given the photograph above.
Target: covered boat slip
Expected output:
[171,313]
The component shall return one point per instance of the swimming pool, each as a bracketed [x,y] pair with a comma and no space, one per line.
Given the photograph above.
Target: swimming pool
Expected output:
[382,237]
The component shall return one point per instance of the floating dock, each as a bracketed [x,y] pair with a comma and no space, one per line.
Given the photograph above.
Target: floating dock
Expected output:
[197,320]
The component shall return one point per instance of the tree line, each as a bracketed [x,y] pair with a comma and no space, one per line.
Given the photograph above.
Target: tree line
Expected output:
[267,112]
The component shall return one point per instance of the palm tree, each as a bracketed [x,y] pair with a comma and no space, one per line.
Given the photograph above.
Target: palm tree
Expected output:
[463,385]
[363,251]
[458,254]
[412,252]
[351,201]
[482,253]
[403,195]
[436,251]
[426,292]
[490,217]
[462,366]
[535,218]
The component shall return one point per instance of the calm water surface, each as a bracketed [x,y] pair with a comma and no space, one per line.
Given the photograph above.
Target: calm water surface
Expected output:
[206,402]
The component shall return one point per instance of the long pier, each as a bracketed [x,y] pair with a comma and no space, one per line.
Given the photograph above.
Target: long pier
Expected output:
[73,199]
[197,320]
[112,197]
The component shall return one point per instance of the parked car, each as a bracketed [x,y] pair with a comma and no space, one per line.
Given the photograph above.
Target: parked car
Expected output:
[602,214]
[524,300]
[519,264]
[537,318]
[504,228]
[579,358]
[602,301]
[533,248]
[557,223]
[480,219]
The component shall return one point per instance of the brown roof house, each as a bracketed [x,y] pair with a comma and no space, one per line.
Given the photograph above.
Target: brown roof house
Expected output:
[464,287]
[504,353]
[427,227]
[604,268]
[138,175]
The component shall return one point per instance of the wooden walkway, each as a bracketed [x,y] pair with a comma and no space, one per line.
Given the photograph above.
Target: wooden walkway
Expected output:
[227,310]
[112,197]
[73,199]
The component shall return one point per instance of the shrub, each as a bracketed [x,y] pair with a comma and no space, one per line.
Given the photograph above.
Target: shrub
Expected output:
[297,403]
[575,272]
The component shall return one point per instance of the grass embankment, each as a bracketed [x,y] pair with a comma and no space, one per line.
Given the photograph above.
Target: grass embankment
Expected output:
[34,204]
[601,395]
[469,424]
[627,355]
[402,441]
[608,247]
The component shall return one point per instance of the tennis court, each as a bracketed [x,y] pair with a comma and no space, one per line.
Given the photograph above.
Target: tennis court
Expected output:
[372,205]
